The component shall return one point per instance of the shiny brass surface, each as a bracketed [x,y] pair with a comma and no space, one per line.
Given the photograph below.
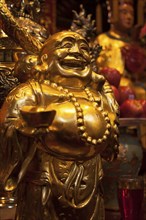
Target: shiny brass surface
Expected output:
[56,166]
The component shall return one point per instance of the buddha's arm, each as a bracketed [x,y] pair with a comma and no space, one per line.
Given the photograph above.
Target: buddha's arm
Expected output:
[12,147]
[110,96]
[18,34]
[102,85]
[111,151]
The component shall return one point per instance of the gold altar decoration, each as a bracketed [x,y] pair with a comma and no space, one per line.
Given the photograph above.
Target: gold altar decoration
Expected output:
[54,129]
[11,49]
[11,27]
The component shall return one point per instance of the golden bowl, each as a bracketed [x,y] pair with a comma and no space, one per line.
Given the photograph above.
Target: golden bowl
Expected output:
[37,116]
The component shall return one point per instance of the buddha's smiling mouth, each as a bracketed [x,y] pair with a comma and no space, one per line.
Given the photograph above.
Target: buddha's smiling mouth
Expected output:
[73,63]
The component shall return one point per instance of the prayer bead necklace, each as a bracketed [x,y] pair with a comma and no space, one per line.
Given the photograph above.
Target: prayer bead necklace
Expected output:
[97,103]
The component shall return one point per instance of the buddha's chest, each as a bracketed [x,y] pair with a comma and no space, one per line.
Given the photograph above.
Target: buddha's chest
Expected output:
[82,122]
[74,117]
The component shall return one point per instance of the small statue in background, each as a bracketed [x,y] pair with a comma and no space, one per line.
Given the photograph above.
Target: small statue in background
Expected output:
[118,36]
[119,51]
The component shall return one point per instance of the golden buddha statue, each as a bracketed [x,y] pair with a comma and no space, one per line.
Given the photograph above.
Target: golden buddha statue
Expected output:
[54,129]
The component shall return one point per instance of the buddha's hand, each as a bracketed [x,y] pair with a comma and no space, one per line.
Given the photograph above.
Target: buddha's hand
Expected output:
[33,131]
[35,120]
[99,80]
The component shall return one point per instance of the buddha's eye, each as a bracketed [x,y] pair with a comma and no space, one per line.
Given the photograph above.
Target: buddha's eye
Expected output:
[66,44]
[84,47]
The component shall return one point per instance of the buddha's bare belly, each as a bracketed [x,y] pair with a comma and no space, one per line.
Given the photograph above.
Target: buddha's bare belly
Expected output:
[64,138]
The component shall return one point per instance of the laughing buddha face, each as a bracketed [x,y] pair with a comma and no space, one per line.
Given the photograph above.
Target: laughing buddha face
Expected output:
[67,55]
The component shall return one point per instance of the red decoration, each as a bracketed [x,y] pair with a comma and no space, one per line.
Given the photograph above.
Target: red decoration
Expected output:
[112,75]
[126,92]
[131,109]
[135,58]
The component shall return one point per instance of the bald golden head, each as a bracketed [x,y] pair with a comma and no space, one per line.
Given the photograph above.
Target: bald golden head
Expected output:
[67,54]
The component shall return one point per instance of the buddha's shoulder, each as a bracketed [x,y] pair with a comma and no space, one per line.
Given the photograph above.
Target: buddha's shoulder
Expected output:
[28,88]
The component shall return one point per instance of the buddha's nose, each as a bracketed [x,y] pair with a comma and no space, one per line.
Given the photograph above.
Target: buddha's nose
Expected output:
[75,49]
